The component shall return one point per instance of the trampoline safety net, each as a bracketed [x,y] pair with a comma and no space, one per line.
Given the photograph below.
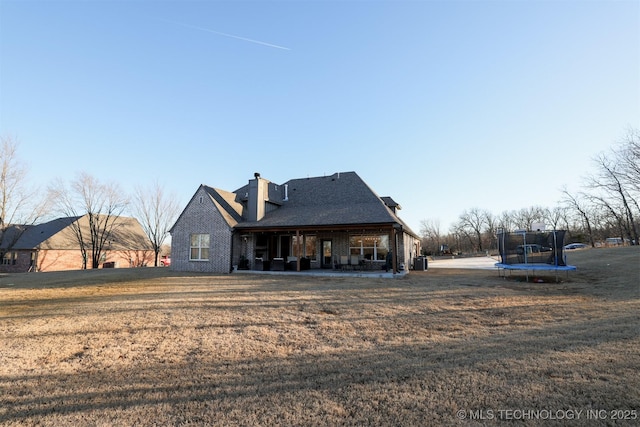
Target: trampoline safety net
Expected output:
[530,247]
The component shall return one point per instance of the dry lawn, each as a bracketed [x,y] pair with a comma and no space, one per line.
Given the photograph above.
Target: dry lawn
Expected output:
[153,347]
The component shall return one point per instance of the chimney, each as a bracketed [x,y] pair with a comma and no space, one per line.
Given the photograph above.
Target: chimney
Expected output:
[258,193]
[286,192]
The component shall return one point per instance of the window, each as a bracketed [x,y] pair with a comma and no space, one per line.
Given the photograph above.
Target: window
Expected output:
[9,258]
[310,247]
[296,242]
[369,246]
[199,247]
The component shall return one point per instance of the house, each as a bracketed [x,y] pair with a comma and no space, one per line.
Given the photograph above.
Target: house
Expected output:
[54,246]
[328,222]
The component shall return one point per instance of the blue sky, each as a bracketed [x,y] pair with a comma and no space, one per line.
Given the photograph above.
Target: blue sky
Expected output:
[444,106]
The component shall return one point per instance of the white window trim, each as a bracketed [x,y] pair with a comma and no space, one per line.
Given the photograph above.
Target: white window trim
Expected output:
[199,247]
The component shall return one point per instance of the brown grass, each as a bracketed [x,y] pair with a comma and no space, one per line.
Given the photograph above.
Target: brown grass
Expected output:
[149,346]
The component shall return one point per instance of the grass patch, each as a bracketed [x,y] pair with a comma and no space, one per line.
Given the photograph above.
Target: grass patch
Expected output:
[150,346]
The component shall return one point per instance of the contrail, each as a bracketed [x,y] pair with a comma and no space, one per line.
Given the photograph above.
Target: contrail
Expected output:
[228,35]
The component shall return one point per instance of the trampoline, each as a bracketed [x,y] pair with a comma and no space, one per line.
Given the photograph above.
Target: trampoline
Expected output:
[533,252]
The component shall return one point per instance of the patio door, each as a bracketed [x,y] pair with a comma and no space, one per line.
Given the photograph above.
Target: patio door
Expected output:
[327,255]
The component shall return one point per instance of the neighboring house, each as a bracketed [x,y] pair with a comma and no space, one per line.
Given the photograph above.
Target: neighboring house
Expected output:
[53,246]
[331,222]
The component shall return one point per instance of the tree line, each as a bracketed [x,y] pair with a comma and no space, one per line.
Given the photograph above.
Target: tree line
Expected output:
[607,206]
[22,205]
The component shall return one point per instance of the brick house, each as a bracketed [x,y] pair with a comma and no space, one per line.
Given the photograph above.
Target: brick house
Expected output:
[329,222]
[53,246]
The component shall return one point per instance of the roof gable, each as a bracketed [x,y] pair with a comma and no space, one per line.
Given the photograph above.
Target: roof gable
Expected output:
[227,205]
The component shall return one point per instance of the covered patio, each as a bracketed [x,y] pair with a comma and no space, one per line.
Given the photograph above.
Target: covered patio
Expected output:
[368,249]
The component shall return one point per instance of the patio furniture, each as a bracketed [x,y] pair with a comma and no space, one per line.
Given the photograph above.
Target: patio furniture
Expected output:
[277,264]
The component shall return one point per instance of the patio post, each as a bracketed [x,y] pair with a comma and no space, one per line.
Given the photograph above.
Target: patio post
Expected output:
[298,245]
[394,255]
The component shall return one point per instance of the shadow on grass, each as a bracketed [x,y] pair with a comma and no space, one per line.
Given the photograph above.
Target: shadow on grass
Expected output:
[406,378]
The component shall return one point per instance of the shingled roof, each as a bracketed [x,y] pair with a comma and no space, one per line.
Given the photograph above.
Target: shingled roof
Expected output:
[226,202]
[31,236]
[58,234]
[341,199]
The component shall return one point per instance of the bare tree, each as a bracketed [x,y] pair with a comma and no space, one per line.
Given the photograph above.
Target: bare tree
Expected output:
[471,225]
[491,229]
[157,211]
[610,189]
[20,205]
[525,217]
[610,203]
[581,208]
[102,204]
[431,235]
[628,156]
[506,222]
[555,216]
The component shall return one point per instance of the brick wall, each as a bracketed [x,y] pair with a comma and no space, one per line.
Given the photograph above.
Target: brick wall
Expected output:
[22,263]
[57,260]
[201,217]
[71,259]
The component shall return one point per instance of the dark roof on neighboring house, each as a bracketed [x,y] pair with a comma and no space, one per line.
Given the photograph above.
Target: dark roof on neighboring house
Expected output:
[57,234]
[339,199]
[30,236]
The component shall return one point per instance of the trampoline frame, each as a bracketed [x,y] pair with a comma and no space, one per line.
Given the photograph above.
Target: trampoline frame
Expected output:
[557,264]
[534,267]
